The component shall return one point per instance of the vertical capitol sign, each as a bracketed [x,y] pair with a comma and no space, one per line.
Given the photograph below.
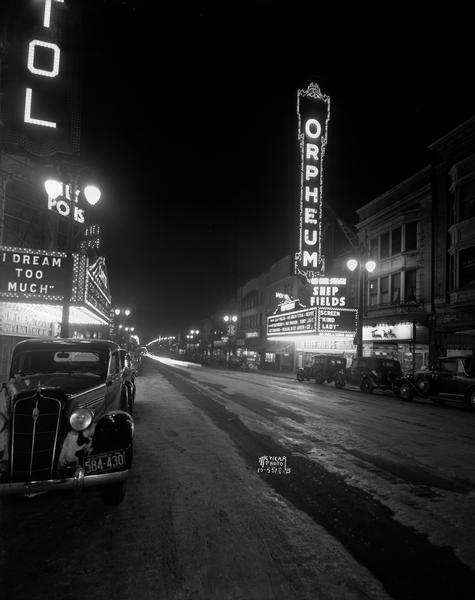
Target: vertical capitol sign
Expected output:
[313,110]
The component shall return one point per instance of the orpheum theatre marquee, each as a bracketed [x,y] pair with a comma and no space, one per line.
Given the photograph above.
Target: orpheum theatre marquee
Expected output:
[327,324]
[33,287]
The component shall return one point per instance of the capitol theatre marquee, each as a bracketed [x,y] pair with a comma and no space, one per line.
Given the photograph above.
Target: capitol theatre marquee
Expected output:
[313,110]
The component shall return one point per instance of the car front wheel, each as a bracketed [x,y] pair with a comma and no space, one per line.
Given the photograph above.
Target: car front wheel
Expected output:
[471,398]
[339,381]
[405,391]
[366,386]
[300,376]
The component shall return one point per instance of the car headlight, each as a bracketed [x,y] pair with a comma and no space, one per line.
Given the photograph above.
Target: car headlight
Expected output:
[80,419]
[3,422]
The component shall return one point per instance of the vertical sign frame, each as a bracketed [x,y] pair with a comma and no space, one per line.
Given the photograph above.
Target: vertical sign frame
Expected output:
[313,110]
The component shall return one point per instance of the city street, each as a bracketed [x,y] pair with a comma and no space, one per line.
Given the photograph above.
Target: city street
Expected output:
[369,497]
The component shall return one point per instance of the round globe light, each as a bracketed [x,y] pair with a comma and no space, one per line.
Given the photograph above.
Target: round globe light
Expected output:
[117,311]
[127,312]
[234,318]
[226,318]
[370,266]
[352,264]
[53,188]
[92,194]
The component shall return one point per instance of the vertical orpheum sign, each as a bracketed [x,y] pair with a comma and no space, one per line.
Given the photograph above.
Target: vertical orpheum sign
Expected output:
[41,103]
[313,110]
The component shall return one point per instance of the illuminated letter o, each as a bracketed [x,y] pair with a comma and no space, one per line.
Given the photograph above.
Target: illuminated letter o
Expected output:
[31,58]
[318,128]
[62,207]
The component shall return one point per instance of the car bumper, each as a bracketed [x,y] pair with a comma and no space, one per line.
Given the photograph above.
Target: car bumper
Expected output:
[78,482]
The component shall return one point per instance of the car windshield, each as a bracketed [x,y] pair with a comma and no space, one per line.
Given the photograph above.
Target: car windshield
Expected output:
[64,361]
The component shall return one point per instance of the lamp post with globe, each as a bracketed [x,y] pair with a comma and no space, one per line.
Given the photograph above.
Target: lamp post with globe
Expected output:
[230,321]
[65,198]
[363,267]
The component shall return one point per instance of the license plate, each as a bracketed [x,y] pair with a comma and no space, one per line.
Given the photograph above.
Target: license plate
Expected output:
[104,462]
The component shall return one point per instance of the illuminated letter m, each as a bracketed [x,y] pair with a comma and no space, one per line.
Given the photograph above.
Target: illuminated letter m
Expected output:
[310,259]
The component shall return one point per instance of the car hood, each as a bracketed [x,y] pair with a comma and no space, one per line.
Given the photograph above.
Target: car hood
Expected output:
[62,382]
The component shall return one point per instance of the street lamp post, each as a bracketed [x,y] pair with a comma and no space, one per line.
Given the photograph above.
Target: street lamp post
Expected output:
[69,193]
[195,343]
[363,267]
[119,327]
[230,321]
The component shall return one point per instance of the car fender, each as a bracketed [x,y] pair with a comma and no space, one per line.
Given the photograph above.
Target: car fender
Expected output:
[114,431]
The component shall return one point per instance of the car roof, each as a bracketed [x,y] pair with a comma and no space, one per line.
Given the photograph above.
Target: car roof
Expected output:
[66,343]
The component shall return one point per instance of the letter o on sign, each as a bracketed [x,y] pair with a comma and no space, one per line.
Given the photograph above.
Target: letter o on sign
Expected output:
[62,207]
[313,128]
[31,58]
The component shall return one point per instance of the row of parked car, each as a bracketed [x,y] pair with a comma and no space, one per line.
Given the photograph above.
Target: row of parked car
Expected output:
[66,417]
[451,377]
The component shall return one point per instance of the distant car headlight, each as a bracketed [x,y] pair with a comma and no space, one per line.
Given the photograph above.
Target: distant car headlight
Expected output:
[80,419]
[3,422]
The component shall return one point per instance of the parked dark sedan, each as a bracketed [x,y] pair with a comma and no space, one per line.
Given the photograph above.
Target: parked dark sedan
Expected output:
[323,368]
[129,372]
[451,378]
[373,372]
[64,420]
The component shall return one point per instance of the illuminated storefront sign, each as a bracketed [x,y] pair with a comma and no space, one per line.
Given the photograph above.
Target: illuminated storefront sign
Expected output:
[32,274]
[313,109]
[91,286]
[41,104]
[25,320]
[63,204]
[337,321]
[300,321]
[387,333]
[328,291]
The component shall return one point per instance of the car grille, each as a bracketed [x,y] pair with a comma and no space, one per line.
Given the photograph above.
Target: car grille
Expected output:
[34,437]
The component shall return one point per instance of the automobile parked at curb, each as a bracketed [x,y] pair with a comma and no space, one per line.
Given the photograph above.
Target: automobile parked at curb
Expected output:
[323,367]
[129,372]
[370,373]
[64,419]
[451,378]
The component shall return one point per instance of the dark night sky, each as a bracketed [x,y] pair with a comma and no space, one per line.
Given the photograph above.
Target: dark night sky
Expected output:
[189,118]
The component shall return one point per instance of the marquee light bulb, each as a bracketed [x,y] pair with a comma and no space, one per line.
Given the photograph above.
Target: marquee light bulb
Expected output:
[53,188]
[92,193]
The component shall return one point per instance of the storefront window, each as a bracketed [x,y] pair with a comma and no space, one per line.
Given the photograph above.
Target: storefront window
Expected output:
[410,286]
[396,241]
[373,292]
[396,288]
[373,248]
[384,247]
[467,267]
[467,200]
[384,290]
[411,236]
